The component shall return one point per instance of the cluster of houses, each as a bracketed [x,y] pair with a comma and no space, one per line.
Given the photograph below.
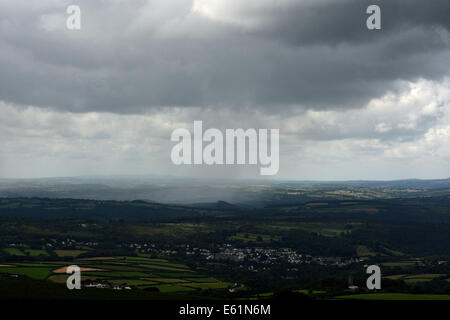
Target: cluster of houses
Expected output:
[270,256]
[259,255]
[69,243]
[106,285]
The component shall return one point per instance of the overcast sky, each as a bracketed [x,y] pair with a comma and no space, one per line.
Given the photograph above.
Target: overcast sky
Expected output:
[350,103]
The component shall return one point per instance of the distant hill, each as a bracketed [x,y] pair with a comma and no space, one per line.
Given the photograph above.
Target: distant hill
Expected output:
[211,193]
[419,209]
[92,209]
[220,205]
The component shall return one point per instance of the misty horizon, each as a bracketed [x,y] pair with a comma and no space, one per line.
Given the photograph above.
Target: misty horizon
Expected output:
[211,179]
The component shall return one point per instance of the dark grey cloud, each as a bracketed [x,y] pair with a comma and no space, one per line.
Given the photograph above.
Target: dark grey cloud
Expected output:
[132,56]
[336,22]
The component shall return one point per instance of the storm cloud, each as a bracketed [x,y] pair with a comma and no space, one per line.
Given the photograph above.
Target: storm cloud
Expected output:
[105,98]
[131,56]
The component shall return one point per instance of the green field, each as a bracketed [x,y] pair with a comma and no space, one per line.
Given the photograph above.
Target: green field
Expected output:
[26,252]
[168,280]
[36,252]
[14,251]
[421,277]
[400,264]
[213,285]
[32,272]
[396,296]
[304,291]
[60,278]
[330,229]
[69,253]
[201,279]
[115,274]
[363,251]
[394,252]
[132,282]
[172,288]
[254,237]
[396,276]
[131,271]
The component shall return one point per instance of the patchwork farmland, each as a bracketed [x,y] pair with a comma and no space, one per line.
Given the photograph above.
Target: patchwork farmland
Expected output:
[121,272]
